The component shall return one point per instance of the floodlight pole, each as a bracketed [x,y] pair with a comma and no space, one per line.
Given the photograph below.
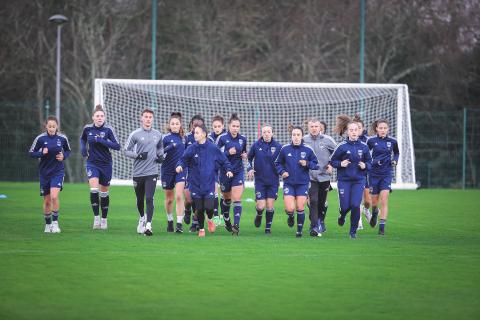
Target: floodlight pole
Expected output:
[59,20]
[154,40]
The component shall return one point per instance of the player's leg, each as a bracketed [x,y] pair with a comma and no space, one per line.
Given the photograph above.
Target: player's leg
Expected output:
[179,205]
[200,211]
[55,206]
[374,192]
[289,203]
[313,201]
[208,204]
[150,187]
[93,181]
[260,196]
[237,192]
[47,204]
[384,194]
[324,188]
[226,188]
[187,215]
[104,184]
[344,200]
[301,200]
[367,203]
[139,188]
[356,194]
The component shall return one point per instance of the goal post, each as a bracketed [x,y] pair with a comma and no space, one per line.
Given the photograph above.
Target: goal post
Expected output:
[276,103]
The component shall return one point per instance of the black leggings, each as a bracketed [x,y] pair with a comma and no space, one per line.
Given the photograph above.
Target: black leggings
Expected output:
[317,195]
[145,187]
[202,205]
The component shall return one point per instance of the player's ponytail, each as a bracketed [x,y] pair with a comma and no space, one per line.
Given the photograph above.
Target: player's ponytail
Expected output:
[176,115]
[97,108]
[233,117]
[342,123]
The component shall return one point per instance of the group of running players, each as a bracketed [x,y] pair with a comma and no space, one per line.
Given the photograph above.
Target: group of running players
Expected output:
[199,165]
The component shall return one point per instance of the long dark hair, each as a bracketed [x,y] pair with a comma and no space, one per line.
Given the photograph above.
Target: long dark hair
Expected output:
[176,115]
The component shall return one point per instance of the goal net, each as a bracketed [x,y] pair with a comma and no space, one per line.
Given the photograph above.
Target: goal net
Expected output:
[256,103]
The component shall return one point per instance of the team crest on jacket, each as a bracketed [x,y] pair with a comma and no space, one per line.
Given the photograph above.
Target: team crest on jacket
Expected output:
[303,154]
[240,141]
[360,153]
[59,143]
[102,134]
[273,149]
[389,144]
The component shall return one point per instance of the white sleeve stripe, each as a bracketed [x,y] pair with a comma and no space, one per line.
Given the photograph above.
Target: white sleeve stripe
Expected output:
[127,143]
[32,148]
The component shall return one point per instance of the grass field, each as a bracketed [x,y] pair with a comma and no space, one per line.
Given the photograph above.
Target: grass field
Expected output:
[426,267]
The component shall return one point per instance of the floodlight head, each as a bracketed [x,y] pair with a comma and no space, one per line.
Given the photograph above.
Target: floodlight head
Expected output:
[58,19]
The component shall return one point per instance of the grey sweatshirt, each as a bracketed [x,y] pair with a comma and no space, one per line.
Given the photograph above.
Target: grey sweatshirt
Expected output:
[323,147]
[140,141]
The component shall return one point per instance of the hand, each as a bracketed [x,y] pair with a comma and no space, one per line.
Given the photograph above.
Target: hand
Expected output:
[232,151]
[244,156]
[329,169]
[345,163]
[394,163]
[179,169]
[285,175]
[142,156]
[160,159]
[59,156]
[229,174]
[45,150]
[303,163]
[92,138]
[362,165]
[250,173]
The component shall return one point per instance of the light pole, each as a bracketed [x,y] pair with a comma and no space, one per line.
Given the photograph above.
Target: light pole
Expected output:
[59,20]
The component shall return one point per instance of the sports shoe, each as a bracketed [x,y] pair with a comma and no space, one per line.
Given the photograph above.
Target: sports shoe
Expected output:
[211,226]
[179,228]
[170,226]
[141,225]
[148,229]
[216,220]
[268,232]
[55,227]
[373,220]
[322,227]
[103,224]
[353,235]
[194,227]
[186,218]
[290,220]
[96,222]
[258,221]
[360,224]
[298,235]
[381,232]
[367,214]
[228,225]
[235,230]
[341,220]
[48,228]
[314,233]
[201,233]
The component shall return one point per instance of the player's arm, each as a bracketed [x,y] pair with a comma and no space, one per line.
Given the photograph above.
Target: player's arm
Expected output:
[129,148]
[110,141]
[66,150]
[335,159]
[396,152]
[83,143]
[279,163]
[223,161]
[160,152]
[312,161]
[185,159]
[368,161]
[36,150]
[250,156]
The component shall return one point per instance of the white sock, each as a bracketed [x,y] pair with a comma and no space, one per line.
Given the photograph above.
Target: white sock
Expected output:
[149,225]
[170,216]
[179,219]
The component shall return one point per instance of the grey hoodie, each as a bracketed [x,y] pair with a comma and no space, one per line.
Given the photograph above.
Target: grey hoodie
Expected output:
[142,140]
[323,147]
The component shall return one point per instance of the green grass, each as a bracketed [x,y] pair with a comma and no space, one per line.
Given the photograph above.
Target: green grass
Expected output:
[426,267]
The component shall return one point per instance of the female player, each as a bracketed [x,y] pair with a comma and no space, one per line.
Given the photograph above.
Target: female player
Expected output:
[234,146]
[385,155]
[323,147]
[352,160]
[293,164]
[218,129]
[367,200]
[189,205]
[96,141]
[172,182]
[52,148]
[263,154]
[144,145]
[202,160]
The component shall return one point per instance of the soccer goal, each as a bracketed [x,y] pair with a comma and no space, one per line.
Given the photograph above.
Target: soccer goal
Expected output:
[276,103]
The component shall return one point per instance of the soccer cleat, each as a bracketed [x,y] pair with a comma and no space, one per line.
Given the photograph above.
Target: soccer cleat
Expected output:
[367,214]
[103,224]
[258,221]
[315,233]
[228,225]
[268,232]
[194,227]
[211,226]
[48,228]
[201,233]
[290,220]
[235,230]
[96,222]
[360,224]
[148,229]
[341,220]
[322,227]
[381,232]
[141,225]
[179,228]
[298,235]
[170,226]
[186,218]
[55,227]
[373,220]
[353,235]
[216,220]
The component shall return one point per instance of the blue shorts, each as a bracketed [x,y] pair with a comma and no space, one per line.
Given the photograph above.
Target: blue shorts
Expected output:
[378,184]
[263,192]
[104,174]
[295,190]
[53,182]
[227,183]
[350,194]
[170,180]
